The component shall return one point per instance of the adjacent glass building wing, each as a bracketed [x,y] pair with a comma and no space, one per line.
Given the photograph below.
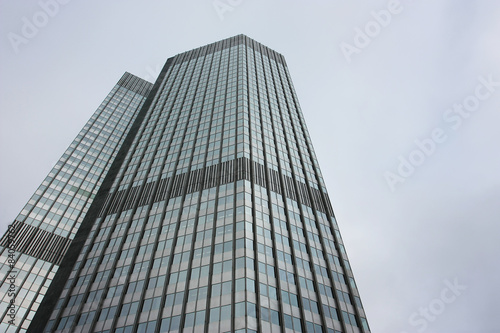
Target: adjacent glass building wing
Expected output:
[40,235]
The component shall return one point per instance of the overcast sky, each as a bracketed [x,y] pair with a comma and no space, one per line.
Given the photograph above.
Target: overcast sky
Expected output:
[401,101]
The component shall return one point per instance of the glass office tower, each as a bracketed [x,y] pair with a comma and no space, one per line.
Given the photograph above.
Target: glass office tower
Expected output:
[40,235]
[216,217]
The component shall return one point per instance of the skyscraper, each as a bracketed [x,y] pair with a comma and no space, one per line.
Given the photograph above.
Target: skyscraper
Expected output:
[40,235]
[214,216]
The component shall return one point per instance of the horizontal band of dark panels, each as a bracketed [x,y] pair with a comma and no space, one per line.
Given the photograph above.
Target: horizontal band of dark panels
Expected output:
[212,176]
[35,242]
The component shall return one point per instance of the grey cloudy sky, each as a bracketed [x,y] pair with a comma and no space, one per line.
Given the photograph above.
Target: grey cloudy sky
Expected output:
[401,102]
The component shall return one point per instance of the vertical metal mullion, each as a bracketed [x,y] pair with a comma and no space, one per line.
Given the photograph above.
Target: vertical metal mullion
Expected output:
[233,179]
[248,47]
[263,180]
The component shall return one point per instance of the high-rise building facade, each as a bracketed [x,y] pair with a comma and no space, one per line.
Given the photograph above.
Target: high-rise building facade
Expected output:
[214,216]
[32,249]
